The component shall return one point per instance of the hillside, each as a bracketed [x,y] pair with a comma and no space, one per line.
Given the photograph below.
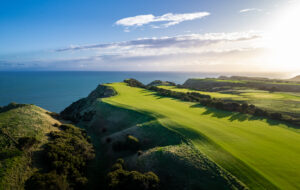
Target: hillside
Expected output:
[38,152]
[19,121]
[146,140]
[159,149]
[175,133]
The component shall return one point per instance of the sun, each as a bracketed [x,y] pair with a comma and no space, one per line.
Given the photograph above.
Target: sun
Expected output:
[283,39]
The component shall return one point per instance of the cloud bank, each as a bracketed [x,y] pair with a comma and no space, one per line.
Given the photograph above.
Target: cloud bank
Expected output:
[168,19]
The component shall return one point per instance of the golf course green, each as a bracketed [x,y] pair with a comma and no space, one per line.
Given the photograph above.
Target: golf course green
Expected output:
[263,154]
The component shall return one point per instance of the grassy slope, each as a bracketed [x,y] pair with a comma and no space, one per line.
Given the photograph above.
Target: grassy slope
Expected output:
[258,153]
[288,103]
[26,121]
[162,150]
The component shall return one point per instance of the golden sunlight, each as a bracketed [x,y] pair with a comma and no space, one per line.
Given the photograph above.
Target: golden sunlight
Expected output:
[284,39]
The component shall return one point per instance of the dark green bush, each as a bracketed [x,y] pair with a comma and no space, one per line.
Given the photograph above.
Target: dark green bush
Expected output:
[67,154]
[131,143]
[48,181]
[25,143]
[277,116]
[9,153]
[134,83]
[120,179]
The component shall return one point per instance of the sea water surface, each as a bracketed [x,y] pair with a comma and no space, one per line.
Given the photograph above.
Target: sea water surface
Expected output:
[54,91]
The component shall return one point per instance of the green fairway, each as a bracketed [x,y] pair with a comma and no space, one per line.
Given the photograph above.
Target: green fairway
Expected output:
[284,102]
[262,154]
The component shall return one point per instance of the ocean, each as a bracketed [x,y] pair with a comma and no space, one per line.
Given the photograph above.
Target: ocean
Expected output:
[54,91]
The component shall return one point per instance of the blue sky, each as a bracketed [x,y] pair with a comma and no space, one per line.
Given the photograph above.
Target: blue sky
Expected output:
[33,33]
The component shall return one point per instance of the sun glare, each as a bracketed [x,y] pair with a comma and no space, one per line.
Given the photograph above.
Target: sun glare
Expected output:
[284,39]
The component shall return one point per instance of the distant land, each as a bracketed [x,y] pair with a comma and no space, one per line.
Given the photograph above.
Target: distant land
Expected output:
[296,78]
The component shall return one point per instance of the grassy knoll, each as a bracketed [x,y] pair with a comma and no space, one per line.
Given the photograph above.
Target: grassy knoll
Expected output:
[17,122]
[282,102]
[261,153]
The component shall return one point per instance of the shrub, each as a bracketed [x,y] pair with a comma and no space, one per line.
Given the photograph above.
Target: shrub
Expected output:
[134,83]
[56,125]
[108,140]
[119,179]
[54,115]
[25,143]
[131,143]
[103,130]
[68,153]
[277,116]
[139,153]
[5,154]
[48,181]
[88,116]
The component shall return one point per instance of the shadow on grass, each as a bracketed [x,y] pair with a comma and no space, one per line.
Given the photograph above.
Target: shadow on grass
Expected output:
[235,116]
[229,162]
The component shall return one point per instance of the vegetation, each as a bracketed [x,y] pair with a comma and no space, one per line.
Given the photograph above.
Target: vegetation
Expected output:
[213,142]
[25,143]
[47,181]
[229,83]
[120,179]
[206,100]
[32,139]
[131,143]
[215,133]
[100,92]
[159,150]
[287,104]
[66,155]
[134,83]
[23,130]
[158,83]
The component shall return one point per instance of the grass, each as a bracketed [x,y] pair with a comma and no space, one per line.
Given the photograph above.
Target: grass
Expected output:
[25,121]
[160,150]
[284,102]
[261,153]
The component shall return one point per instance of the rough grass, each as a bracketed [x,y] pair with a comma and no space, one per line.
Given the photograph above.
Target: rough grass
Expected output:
[261,153]
[25,121]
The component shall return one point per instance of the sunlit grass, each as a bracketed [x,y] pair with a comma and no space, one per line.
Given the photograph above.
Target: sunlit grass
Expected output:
[257,151]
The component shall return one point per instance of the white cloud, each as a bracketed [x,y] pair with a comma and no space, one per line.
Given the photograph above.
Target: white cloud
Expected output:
[185,42]
[250,10]
[190,52]
[168,19]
